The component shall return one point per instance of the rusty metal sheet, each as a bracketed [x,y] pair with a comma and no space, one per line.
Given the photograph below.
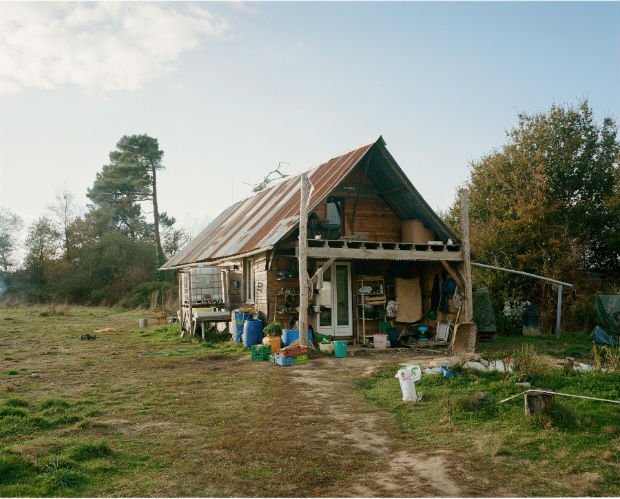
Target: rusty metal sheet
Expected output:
[262,220]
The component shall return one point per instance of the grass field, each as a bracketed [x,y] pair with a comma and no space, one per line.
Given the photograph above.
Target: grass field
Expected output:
[143,412]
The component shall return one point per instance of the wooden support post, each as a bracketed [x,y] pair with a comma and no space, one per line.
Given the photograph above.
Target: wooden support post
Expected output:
[189,292]
[180,311]
[303,262]
[558,313]
[538,402]
[468,306]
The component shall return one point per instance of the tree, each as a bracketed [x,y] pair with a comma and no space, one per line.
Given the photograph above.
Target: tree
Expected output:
[173,238]
[546,201]
[129,179]
[42,245]
[10,225]
[64,213]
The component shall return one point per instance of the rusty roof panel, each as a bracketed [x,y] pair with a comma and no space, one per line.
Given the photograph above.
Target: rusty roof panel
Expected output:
[262,220]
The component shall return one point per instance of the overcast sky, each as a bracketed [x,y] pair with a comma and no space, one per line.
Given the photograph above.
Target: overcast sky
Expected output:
[231,89]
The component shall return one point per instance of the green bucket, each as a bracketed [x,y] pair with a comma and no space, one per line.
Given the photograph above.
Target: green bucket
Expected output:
[340,348]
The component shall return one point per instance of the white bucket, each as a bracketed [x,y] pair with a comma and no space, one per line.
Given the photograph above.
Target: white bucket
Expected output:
[380,341]
[142,323]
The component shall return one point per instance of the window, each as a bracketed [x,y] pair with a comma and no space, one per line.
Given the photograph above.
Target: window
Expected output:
[334,218]
[248,279]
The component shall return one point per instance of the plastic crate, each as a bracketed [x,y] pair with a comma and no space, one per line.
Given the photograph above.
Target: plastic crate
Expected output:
[284,361]
[261,352]
[301,359]
[272,357]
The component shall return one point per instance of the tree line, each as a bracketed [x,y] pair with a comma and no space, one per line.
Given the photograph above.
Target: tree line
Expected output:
[548,202]
[107,255]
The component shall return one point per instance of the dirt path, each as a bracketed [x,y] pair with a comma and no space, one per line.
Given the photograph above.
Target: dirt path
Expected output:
[350,420]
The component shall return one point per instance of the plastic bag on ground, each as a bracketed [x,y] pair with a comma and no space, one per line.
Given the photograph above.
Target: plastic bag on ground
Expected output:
[407,376]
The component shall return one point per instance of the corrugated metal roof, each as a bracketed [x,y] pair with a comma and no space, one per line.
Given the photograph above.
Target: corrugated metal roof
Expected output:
[262,220]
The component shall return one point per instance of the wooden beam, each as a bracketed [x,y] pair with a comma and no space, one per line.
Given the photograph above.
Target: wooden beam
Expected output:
[455,274]
[468,306]
[303,262]
[384,254]
[359,190]
[392,190]
[323,268]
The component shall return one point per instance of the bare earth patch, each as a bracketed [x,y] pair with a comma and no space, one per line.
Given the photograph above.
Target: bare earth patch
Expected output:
[401,471]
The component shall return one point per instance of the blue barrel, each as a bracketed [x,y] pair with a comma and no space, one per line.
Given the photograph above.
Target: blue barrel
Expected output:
[240,318]
[252,333]
[290,335]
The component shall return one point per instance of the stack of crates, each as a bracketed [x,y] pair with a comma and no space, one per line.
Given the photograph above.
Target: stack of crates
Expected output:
[261,352]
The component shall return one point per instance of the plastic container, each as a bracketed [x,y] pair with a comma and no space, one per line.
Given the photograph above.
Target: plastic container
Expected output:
[252,332]
[261,352]
[284,361]
[240,318]
[340,348]
[290,335]
[301,359]
[393,336]
[380,341]
[326,347]
[272,341]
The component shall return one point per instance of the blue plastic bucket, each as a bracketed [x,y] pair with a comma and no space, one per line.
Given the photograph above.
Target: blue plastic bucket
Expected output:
[340,348]
[240,318]
[290,335]
[252,332]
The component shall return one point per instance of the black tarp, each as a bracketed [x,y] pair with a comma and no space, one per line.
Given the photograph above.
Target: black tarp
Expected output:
[484,316]
[608,313]
[607,328]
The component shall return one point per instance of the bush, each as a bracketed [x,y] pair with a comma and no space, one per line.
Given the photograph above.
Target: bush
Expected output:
[141,294]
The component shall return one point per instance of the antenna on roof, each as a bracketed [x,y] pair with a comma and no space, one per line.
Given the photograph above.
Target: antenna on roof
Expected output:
[268,178]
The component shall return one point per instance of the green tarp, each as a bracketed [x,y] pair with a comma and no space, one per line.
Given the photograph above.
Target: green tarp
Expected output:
[608,313]
[484,317]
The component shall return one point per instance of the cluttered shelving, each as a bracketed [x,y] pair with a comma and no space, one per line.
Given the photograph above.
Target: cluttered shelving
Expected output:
[371,301]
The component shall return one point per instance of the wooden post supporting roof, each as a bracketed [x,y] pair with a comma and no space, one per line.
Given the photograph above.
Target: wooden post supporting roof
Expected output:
[468,306]
[303,262]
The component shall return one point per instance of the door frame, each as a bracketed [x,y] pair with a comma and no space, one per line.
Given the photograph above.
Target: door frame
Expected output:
[334,329]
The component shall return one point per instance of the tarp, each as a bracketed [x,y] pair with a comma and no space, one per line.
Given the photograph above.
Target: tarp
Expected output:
[409,298]
[599,336]
[608,313]
[484,316]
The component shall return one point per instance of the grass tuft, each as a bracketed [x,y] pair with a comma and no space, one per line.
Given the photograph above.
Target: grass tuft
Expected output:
[16,402]
[89,450]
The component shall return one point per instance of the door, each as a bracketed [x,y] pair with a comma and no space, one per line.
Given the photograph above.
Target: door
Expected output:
[335,317]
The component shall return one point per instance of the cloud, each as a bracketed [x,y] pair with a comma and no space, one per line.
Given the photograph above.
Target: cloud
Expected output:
[99,47]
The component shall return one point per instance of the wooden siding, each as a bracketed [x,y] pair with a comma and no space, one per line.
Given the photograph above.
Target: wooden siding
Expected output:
[374,219]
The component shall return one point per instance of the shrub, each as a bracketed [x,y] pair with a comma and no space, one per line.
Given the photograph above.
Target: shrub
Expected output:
[141,294]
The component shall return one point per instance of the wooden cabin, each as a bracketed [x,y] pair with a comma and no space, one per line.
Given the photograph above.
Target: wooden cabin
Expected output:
[371,240]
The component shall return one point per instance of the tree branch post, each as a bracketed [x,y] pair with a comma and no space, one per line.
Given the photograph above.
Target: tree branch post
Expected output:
[303,261]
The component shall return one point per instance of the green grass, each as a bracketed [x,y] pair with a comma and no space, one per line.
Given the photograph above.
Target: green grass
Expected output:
[578,437]
[577,345]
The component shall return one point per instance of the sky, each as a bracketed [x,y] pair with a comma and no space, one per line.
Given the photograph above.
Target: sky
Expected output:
[230,89]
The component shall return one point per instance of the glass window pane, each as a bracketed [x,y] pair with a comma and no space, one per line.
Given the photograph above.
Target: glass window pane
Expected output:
[342,295]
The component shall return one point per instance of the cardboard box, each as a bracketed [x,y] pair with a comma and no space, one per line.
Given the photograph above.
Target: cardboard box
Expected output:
[414,231]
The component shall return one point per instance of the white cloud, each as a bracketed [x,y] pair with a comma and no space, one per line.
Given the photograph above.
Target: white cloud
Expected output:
[99,47]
